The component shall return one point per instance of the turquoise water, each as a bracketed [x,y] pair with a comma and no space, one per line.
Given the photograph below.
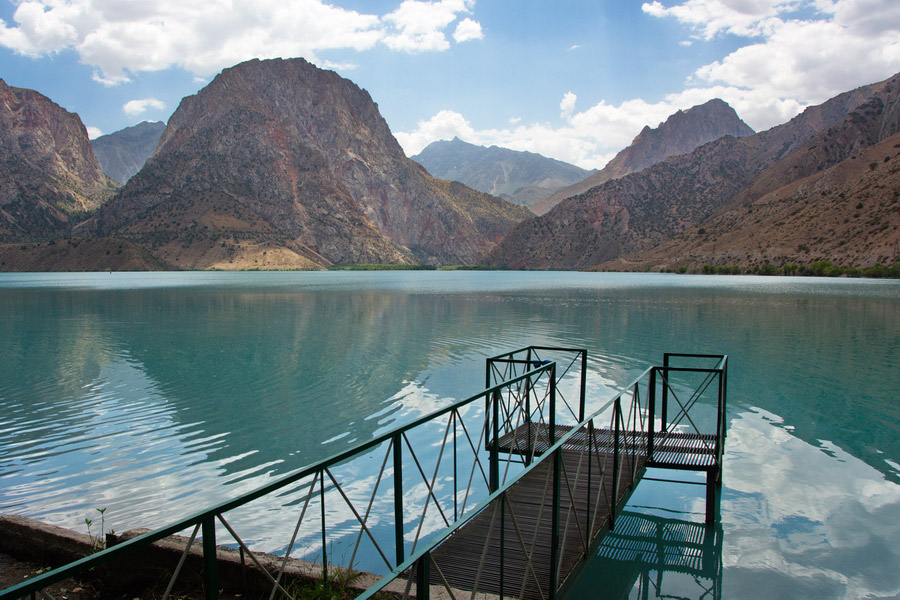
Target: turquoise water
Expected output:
[156,395]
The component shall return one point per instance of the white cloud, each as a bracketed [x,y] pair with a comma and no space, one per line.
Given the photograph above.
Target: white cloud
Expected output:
[838,45]
[204,36]
[567,105]
[467,29]
[93,132]
[418,26]
[137,107]
[737,17]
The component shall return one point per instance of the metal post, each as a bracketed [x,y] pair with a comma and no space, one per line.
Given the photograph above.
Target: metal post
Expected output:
[617,409]
[529,443]
[210,571]
[552,404]
[495,455]
[664,412]
[398,499]
[651,410]
[324,537]
[502,541]
[720,426]
[554,527]
[423,577]
[583,385]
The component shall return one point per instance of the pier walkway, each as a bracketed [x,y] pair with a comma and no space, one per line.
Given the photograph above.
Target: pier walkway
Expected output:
[501,495]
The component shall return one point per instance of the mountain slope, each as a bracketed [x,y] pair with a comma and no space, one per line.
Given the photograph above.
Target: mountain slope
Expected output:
[837,198]
[48,172]
[123,153]
[640,210]
[681,133]
[281,155]
[520,177]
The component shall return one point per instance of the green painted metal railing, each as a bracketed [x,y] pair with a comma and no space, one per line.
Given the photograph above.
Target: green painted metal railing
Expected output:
[463,428]
[480,474]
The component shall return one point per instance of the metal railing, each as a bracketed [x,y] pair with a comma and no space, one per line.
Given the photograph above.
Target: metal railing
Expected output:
[348,506]
[399,502]
[585,476]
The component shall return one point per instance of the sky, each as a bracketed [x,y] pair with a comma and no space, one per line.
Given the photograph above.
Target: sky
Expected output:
[574,80]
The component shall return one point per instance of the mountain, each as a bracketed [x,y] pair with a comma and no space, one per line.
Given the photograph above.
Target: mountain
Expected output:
[681,133]
[640,210]
[521,177]
[836,198]
[48,172]
[279,164]
[123,153]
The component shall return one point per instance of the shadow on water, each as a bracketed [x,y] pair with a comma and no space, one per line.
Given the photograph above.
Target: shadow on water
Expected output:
[651,556]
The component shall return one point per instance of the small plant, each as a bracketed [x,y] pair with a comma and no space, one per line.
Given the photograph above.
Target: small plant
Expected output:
[98,542]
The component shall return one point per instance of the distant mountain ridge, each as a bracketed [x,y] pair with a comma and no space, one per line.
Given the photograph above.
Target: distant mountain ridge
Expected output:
[521,177]
[836,198]
[48,171]
[123,153]
[279,164]
[640,210]
[681,133]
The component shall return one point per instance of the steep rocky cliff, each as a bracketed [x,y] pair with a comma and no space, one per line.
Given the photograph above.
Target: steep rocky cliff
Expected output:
[640,210]
[520,177]
[123,153]
[681,133]
[48,172]
[278,157]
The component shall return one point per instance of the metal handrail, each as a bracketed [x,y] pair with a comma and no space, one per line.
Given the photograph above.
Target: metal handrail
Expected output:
[206,518]
[423,554]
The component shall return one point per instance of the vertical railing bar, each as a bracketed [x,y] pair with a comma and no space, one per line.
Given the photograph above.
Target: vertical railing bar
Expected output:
[665,392]
[554,526]
[617,408]
[455,416]
[502,544]
[552,404]
[581,404]
[423,577]
[398,499]
[324,535]
[493,466]
[210,566]
[651,412]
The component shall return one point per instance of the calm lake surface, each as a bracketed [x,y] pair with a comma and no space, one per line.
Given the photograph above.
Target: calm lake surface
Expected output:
[157,395]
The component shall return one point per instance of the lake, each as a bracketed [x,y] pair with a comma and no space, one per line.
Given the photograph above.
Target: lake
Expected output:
[156,395]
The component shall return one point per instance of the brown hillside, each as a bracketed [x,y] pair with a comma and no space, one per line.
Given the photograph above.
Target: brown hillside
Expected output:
[848,214]
[74,254]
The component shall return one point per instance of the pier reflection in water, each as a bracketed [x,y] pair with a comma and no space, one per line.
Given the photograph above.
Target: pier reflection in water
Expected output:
[655,552]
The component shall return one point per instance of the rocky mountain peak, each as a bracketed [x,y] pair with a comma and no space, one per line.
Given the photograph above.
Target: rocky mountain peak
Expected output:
[681,133]
[283,149]
[49,170]
[123,153]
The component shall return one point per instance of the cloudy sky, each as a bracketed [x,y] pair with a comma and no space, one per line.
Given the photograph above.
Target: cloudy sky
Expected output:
[571,79]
